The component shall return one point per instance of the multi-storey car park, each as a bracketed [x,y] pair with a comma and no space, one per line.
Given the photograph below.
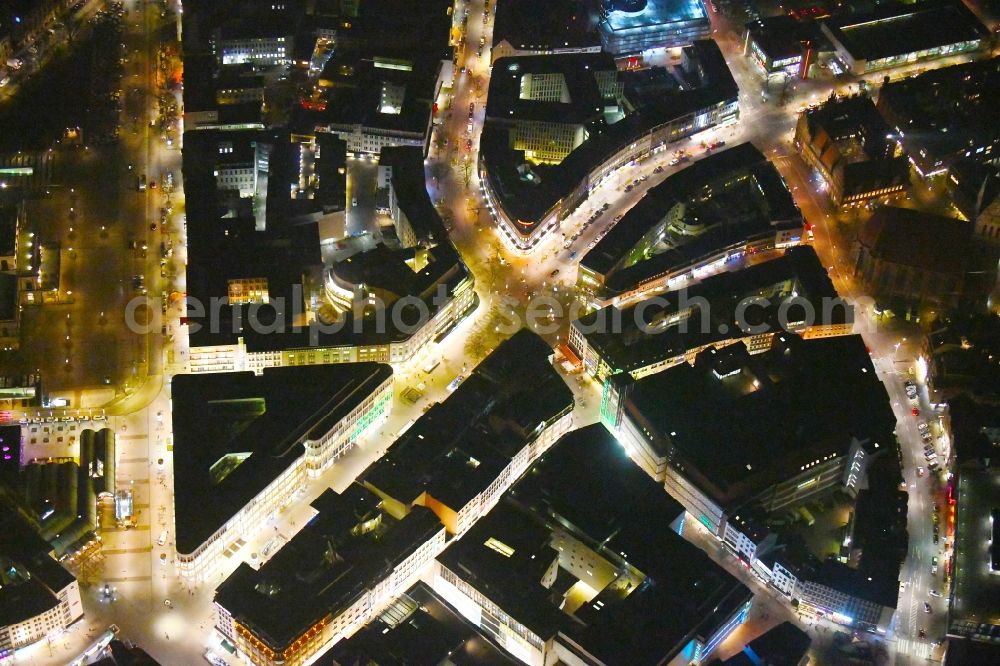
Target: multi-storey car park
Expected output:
[369,543]
[636,26]
[245,444]
[557,126]
[581,563]
[718,210]
[791,293]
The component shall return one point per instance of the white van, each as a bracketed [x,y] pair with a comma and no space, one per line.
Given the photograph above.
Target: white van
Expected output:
[162,541]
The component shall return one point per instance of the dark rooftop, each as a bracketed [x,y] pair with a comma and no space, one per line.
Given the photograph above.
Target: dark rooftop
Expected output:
[410,185]
[458,448]
[799,401]
[235,432]
[583,100]
[386,43]
[8,230]
[781,37]
[784,645]
[29,578]
[914,238]
[419,627]
[640,341]
[556,24]
[350,545]
[731,195]
[672,590]
[529,200]
[897,29]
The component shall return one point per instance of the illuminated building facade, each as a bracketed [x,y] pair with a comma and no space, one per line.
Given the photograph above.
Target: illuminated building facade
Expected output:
[625,118]
[853,149]
[792,293]
[697,221]
[229,485]
[901,34]
[553,576]
[635,26]
[718,468]
[335,575]
[39,597]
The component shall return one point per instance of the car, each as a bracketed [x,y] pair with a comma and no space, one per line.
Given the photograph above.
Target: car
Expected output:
[152,184]
[213,658]
[674,161]
[922,426]
[922,634]
[152,226]
[927,607]
[934,593]
[354,201]
[937,538]
[455,383]
[628,188]
[920,472]
[926,437]
[162,540]
[554,273]
[934,565]
[572,254]
[658,169]
[915,411]
[619,216]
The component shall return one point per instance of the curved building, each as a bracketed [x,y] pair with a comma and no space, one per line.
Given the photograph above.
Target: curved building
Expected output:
[557,126]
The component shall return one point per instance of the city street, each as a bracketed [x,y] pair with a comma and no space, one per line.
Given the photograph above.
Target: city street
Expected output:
[110,231]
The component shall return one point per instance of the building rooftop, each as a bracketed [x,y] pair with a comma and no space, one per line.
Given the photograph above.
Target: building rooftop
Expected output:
[235,432]
[383,71]
[732,194]
[460,446]
[897,29]
[784,645]
[557,24]
[410,184]
[527,200]
[419,627]
[798,402]
[780,37]
[350,545]
[8,231]
[946,113]
[655,333]
[922,240]
[582,100]
[656,13]
[29,578]
[660,591]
